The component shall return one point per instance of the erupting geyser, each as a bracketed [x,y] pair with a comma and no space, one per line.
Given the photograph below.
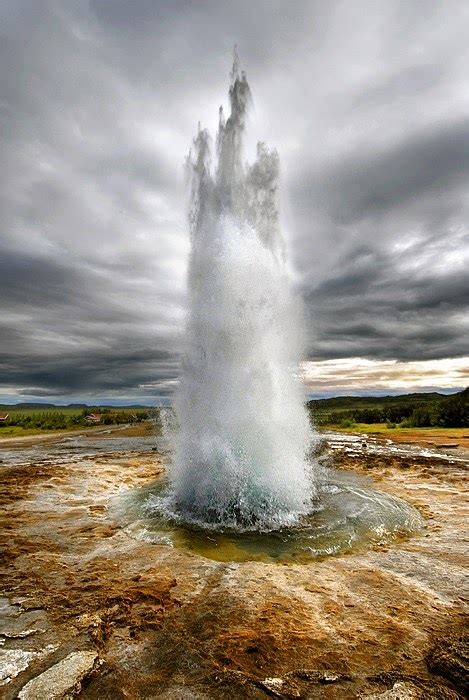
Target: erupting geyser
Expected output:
[242,483]
[242,445]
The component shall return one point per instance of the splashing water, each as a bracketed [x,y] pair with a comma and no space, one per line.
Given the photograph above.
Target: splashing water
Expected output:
[240,457]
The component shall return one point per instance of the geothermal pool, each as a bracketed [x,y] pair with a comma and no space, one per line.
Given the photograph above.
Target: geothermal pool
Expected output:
[348,515]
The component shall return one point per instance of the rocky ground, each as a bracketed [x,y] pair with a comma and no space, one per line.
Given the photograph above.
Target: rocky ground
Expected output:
[88,611]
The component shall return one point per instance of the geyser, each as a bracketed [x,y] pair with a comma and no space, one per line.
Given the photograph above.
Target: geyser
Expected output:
[243,438]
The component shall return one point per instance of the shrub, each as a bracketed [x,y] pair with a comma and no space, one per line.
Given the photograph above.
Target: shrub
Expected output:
[346,423]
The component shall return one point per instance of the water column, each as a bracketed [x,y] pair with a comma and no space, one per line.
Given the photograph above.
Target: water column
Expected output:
[240,457]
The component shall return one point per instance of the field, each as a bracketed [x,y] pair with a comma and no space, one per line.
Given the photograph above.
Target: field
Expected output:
[44,419]
[420,417]
[30,409]
[422,436]
[422,410]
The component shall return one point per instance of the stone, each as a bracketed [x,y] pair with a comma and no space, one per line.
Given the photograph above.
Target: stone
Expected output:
[19,625]
[63,680]
[450,658]
[399,691]
[274,685]
[179,692]
[14,661]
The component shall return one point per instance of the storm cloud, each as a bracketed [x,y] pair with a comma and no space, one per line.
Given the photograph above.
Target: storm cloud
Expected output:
[367,105]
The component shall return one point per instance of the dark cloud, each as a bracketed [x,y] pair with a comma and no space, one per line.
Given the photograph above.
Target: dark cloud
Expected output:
[25,279]
[120,373]
[361,185]
[372,308]
[98,105]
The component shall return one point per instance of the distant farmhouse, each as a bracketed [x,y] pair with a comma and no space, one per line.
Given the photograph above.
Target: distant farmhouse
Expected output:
[94,417]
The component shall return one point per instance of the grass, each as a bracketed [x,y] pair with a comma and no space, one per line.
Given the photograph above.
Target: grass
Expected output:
[435,436]
[27,420]
[360,428]
[19,431]
[66,410]
[383,428]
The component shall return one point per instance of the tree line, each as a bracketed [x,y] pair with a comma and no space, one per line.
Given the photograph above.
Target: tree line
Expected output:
[450,412]
[58,420]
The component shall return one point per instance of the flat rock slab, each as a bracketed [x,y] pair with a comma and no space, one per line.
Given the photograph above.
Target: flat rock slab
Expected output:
[399,691]
[14,661]
[63,680]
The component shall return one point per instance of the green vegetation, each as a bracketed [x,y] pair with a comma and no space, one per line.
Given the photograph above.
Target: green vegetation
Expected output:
[347,412]
[30,418]
[407,411]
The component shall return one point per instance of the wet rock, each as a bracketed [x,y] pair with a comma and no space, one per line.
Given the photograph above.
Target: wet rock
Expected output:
[63,680]
[399,691]
[450,658]
[18,625]
[317,676]
[275,686]
[409,690]
[7,609]
[180,692]
[295,683]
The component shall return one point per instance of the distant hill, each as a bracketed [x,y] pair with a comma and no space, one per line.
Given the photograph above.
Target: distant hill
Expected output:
[42,406]
[408,410]
[340,403]
[38,406]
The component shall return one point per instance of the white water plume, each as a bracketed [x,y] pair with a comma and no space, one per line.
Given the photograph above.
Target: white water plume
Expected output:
[241,452]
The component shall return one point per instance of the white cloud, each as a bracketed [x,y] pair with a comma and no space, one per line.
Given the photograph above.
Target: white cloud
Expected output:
[360,374]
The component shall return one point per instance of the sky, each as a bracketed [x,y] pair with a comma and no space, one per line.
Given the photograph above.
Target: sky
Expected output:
[366,102]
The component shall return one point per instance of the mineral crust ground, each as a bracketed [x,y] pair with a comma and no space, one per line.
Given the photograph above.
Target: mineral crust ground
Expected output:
[122,618]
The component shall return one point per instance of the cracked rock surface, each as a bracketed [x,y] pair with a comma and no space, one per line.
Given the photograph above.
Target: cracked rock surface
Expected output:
[61,680]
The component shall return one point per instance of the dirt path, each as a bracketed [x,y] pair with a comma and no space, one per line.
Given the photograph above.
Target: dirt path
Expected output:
[429,436]
[421,436]
[140,430]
